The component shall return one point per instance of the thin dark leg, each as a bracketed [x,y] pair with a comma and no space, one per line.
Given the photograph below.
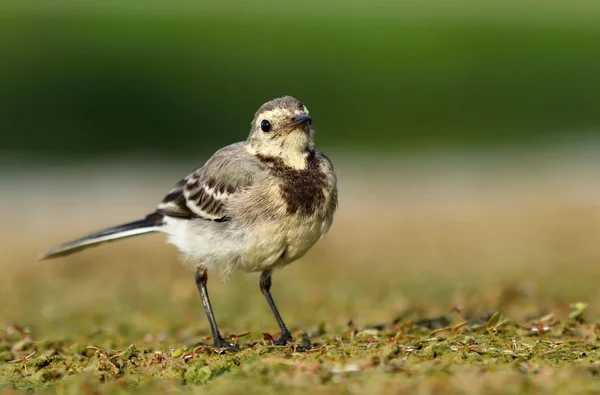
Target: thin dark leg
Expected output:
[265,287]
[201,280]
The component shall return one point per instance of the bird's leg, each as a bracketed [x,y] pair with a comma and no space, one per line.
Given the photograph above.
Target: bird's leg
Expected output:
[201,276]
[265,288]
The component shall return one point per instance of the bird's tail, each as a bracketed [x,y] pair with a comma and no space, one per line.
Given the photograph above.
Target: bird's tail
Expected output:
[149,224]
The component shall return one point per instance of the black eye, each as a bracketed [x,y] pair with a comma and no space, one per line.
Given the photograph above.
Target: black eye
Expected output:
[265,125]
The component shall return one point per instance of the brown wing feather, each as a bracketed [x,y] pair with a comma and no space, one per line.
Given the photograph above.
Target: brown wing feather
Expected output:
[205,192]
[198,196]
[174,204]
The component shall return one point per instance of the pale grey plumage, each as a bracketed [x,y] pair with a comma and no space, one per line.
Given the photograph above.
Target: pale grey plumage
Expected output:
[249,218]
[205,192]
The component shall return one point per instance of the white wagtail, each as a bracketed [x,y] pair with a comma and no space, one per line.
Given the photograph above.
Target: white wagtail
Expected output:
[255,206]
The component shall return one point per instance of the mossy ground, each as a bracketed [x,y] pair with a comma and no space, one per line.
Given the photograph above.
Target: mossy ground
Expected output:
[494,293]
[485,354]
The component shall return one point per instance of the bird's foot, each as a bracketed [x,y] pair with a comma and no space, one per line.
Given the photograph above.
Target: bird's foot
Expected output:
[303,347]
[285,338]
[223,344]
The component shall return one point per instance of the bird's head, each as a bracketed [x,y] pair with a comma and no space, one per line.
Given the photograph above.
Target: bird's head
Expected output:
[282,129]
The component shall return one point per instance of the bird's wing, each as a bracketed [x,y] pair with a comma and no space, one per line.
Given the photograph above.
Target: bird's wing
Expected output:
[205,192]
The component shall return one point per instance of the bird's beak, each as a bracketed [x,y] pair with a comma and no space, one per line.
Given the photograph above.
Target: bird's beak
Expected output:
[298,119]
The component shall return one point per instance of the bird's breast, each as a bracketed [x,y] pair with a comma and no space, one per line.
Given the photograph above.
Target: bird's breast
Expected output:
[303,191]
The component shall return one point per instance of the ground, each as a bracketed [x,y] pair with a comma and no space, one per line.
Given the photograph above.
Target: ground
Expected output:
[488,287]
[448,352]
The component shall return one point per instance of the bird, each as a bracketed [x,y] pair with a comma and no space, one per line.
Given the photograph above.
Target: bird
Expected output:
[255,206]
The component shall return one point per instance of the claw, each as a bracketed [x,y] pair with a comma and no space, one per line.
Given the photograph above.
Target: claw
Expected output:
[284,339]
[225,345]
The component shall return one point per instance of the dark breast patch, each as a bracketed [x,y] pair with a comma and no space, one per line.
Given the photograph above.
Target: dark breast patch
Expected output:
[302,190]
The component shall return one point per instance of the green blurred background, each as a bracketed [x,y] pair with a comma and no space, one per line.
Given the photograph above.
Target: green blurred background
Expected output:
[91,79]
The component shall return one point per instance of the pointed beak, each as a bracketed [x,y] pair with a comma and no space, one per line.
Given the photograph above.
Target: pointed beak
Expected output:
[298,120]
[302,119]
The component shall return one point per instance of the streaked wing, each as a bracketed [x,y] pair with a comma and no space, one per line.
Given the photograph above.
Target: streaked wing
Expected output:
[204,193]
[174,204]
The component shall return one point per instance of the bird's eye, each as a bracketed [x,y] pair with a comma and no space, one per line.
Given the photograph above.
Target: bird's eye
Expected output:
[265,125]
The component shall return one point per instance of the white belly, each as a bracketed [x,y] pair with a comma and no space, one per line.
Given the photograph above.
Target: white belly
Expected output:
[228,248]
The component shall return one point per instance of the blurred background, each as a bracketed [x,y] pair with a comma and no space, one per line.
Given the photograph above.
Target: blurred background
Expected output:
[465,135]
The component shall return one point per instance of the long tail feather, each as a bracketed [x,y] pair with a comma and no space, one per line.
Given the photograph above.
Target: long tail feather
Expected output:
[149,224]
